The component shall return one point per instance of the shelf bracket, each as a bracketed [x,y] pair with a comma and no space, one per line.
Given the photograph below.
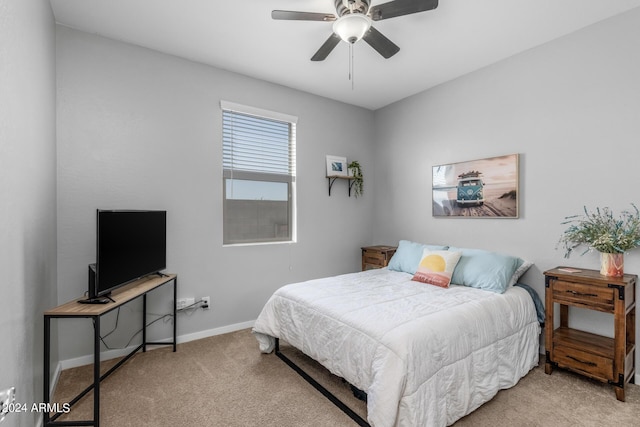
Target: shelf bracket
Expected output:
[331,181]
[620,290]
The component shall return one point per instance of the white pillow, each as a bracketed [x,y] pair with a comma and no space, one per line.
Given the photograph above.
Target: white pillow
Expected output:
[520,271]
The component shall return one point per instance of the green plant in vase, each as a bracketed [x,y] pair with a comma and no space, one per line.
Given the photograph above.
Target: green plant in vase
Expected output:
[355,173]
[609,235]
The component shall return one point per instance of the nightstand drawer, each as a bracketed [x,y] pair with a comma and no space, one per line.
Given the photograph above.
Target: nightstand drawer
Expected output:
[376,256]
[577,294]
[582,361]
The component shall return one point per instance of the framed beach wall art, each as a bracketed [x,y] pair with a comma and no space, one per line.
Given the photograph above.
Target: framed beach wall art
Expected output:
[336,166]
[484,188]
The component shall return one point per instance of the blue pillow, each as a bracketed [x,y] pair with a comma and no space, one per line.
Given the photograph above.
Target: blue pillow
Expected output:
[486,270]
[409,254]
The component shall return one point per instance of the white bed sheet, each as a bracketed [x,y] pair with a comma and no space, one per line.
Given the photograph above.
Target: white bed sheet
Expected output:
[425,356]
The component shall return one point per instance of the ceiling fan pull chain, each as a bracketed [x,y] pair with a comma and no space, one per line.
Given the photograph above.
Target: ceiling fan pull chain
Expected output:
[351,77]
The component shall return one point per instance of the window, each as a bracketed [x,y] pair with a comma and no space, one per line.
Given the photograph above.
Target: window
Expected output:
[259,171]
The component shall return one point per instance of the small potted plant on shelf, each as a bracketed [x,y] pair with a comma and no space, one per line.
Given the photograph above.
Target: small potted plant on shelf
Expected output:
[355,173]
[610,236]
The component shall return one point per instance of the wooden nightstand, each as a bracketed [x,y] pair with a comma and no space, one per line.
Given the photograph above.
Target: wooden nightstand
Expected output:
[377,256]
[611,360]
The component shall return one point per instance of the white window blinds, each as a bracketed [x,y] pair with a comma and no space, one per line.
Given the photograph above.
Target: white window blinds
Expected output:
[258,175]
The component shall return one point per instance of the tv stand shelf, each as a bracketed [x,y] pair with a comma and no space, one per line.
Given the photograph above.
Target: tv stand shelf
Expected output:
[74,309]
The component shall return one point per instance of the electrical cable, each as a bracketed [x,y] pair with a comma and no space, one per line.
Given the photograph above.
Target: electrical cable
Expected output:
[190,309]
[115,326]
[147,325]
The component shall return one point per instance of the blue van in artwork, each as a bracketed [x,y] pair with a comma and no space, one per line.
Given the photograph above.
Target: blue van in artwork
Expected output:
[470,189]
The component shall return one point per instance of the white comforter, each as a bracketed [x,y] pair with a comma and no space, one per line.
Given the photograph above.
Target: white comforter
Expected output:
[426,356]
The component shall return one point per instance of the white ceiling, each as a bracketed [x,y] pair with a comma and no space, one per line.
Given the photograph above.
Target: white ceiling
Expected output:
[458,37]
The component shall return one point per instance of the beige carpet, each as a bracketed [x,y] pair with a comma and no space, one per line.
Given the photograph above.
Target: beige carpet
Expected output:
[225,381]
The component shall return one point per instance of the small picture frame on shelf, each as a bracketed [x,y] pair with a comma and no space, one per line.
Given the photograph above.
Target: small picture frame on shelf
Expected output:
[336,166]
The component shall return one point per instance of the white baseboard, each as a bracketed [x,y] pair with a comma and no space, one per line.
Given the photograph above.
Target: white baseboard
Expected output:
[52,386]
[54,380]
[113,354]
[215,331]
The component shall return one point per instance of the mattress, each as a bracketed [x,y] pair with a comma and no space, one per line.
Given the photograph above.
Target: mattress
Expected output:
[425,355]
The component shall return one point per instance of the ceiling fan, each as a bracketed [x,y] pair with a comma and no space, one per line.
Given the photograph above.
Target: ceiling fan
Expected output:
[353,22]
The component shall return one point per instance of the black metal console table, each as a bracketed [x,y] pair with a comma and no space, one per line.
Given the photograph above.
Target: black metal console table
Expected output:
[73,309]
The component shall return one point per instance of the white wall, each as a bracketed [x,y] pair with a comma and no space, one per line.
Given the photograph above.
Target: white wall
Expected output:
[571,108]
[27,195]
[140,129]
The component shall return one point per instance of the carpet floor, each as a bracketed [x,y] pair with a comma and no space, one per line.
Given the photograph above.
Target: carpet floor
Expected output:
[225,381]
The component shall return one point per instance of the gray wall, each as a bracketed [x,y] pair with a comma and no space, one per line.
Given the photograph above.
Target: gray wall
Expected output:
[28,195]
[571,108]
[139,129]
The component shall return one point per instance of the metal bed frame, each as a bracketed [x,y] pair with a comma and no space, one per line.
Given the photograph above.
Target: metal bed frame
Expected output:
[326,393]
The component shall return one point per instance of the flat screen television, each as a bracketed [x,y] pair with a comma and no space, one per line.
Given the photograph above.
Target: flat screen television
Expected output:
[130,244]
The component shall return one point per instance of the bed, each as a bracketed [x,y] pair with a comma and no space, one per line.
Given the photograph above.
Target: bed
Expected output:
[425,355]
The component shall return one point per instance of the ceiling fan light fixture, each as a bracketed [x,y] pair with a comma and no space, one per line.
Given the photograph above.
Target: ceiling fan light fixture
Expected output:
[352,27]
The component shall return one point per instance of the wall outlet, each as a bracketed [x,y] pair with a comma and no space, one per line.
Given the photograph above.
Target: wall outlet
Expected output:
[206,303]
[185,303]
[7,397]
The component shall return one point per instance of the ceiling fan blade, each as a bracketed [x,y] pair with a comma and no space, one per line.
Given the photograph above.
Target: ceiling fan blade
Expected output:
[380,43]
[400,8]
[326,48]
[302,16]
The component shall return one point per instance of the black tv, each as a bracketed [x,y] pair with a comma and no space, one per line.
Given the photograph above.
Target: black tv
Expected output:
[130,244]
